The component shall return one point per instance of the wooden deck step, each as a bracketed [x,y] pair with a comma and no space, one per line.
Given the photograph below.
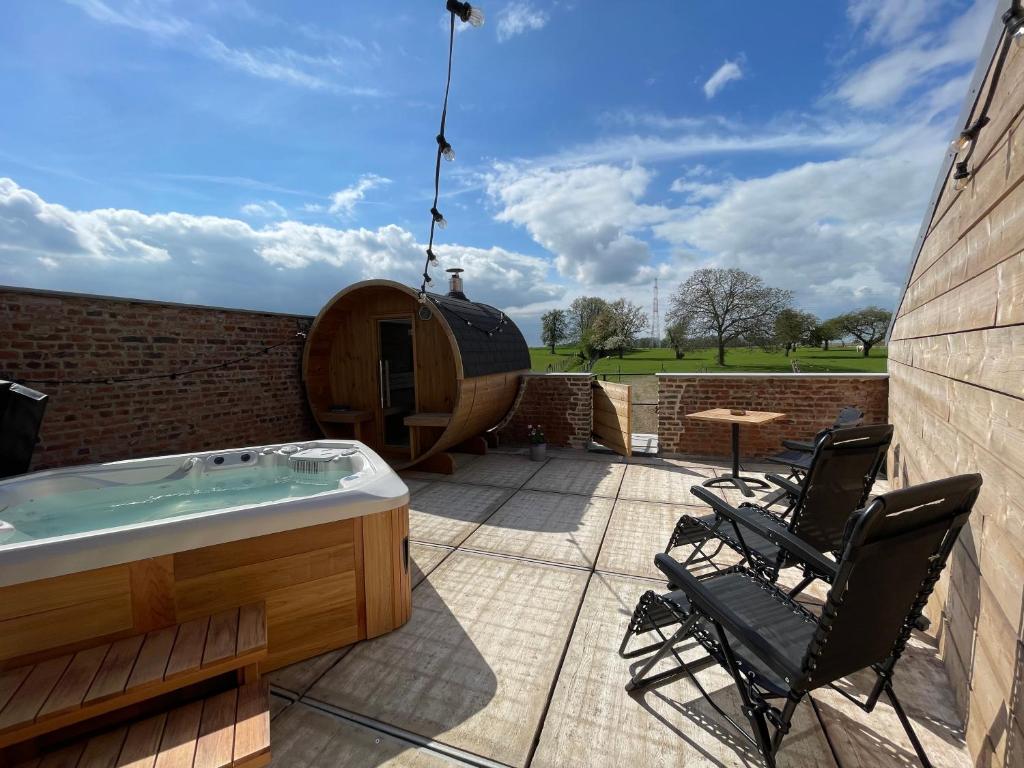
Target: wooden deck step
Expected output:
[229,729]
[55,693]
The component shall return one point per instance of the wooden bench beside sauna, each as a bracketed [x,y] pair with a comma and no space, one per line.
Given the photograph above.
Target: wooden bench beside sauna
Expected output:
[412,379]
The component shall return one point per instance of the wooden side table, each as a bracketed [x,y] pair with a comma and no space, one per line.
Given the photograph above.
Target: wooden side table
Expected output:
[723,415]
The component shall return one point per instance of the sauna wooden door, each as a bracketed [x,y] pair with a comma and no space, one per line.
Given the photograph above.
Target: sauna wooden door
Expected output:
[612,423]
[396,380]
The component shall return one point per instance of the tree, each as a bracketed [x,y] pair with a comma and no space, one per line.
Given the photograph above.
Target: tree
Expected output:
[618,325]
[729,304]
[793,327]
[554,328]
[824,332]
[867,325]
[582,314]
[678,335]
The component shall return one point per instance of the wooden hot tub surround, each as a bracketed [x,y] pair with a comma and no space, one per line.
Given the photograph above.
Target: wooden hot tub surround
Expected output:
[324,586]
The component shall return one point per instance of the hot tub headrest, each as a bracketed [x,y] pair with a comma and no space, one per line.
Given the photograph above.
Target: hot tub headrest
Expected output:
[21,415]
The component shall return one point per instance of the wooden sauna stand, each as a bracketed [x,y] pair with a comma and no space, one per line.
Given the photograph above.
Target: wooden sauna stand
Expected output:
[324,586]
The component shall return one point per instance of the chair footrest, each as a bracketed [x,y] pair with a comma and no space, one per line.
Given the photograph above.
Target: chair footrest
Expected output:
[55,693]
[227,729]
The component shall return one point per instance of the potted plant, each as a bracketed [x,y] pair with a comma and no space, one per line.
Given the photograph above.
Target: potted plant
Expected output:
[538,442]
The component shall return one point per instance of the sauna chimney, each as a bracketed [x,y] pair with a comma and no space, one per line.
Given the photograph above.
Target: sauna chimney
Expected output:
[455,284]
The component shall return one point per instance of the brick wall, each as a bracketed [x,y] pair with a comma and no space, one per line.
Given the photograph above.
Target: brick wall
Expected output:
[58,336]
[561,403]
[810,402]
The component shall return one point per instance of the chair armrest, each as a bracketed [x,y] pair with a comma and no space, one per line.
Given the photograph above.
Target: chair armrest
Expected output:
[717,503]
[801,551]
[708,605]
[755,521]
[793,489]
[799,445]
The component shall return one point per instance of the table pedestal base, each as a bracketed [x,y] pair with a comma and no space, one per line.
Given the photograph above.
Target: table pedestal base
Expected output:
[735,479]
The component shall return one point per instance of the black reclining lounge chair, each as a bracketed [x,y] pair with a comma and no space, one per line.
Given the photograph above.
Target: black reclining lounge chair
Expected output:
[797,455]
[843,468]
[776,650]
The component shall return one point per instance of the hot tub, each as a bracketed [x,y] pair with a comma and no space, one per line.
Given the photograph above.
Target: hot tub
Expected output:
[318,530]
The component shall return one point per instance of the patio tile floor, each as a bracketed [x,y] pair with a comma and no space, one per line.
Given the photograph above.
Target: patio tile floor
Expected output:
[510,655]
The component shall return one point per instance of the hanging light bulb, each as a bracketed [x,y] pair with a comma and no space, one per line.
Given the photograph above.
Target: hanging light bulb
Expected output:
[427,279]
[961,176]
[431,256]
[438,218]
[962,142]
[446,149]
[1018,36]
[466,12]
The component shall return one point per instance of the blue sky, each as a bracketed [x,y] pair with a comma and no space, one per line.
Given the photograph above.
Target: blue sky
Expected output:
[266,154]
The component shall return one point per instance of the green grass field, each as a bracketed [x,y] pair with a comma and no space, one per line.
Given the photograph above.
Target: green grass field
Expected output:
[738,360]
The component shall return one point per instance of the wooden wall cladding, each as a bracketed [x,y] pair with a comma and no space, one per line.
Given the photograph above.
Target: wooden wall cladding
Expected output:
[956,398]
[324,586]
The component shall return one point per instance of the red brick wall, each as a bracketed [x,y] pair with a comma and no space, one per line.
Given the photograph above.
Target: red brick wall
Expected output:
[46,335]
[810,402]
[561,403]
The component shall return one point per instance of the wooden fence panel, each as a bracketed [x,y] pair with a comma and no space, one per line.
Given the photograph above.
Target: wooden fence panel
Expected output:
[613,424]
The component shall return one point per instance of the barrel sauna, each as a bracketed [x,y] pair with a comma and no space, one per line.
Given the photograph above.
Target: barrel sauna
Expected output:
[412,379]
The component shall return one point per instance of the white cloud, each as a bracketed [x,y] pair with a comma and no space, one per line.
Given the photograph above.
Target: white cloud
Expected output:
[893,21]
[517,18]
[729,71]
[285,265]
[586,216]
[797,133]
[343,202]
[832,230]
[884,80]
[266,209]
[284,65]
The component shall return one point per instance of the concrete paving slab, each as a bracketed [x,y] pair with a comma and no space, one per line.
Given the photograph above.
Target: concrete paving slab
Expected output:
[664,483]
[425,558]
[473,666]
[305,737]
[589,478]
[298,677]
[593,721]
[637,531]
[555,527]
[446,513]
[497,469]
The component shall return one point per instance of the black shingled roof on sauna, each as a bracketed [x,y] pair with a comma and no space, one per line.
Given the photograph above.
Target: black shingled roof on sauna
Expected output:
[504,350]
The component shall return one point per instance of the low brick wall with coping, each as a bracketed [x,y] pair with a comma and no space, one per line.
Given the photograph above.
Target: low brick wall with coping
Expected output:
[562,404]
[809,400]
[57,336]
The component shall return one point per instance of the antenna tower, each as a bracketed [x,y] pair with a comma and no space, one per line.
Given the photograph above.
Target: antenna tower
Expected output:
[655,318]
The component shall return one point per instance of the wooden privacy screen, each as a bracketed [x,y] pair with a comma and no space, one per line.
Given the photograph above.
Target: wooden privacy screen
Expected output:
[613,426]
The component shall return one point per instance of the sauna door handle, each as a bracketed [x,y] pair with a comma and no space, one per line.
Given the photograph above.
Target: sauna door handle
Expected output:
[387,381]
[380,368]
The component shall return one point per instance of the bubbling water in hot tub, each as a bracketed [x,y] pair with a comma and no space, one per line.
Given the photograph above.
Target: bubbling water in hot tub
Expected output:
[101,500]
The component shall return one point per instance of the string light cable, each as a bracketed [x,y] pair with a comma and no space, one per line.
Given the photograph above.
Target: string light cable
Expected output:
[474,17]
[298,338]
[966,141]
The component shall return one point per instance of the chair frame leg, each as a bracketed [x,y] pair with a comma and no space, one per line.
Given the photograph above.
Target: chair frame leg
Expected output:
[907,726]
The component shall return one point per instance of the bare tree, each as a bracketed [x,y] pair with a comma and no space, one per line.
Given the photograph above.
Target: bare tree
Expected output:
[729,304]
[554,328]
[867,325]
